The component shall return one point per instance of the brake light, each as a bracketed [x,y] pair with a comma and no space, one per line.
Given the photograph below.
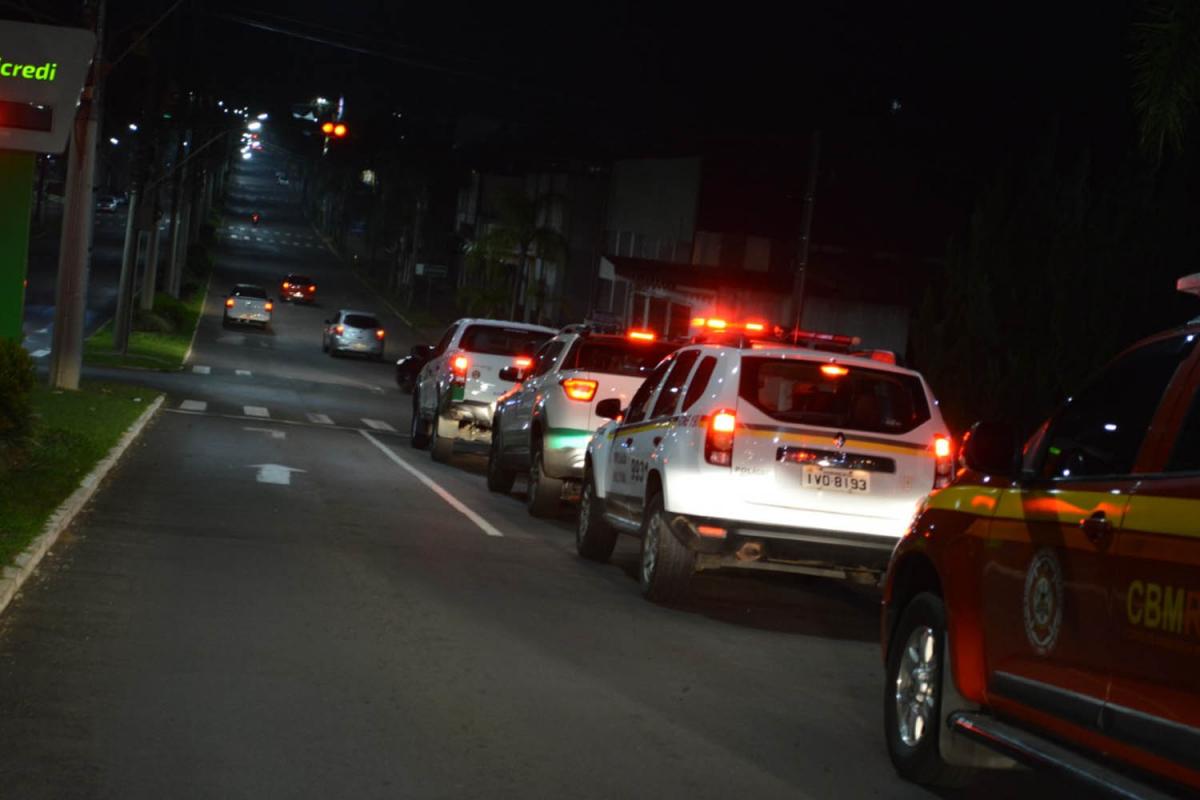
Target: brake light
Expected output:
[339,329]
[229,302]
[270,305]
[459,364]
[312,288]
[943,452]
[834,370]
[642,336]
[287,285]
[579,389]
[883,356]
[522,362]
[718,442]
[379,334]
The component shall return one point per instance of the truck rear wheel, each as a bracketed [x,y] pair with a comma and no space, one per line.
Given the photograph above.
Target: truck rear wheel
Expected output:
[499,479]
[441,448]
[667,566]
[545,493]
[420,434]
[595,539]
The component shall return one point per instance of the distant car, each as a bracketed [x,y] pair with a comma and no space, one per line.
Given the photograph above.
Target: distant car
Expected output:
[409,367]
[353,332]
[283,180]
[247,303]
[107,204]
[298,287]
[456,392]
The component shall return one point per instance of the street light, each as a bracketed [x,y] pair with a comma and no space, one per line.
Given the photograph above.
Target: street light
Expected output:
[133,126]
[263,115]
[254,126]
[114,140]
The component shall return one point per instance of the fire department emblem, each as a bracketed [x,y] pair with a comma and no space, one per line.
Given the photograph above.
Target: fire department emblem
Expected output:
[1043,601]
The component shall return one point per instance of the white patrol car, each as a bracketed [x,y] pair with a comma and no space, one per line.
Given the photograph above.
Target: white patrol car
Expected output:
[544,424]
[455,393]
[763,455]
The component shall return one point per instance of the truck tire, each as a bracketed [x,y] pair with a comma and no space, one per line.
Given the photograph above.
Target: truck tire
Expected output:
[912,697]
[419,438]
[545,493]
[499,479]
[441,448]
[667,566]
[595,539]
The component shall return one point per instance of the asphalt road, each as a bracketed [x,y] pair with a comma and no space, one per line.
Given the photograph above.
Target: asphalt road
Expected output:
[275,596]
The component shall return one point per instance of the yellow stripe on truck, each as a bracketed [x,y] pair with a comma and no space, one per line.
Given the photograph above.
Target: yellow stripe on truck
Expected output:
[1172,516]
[901,448]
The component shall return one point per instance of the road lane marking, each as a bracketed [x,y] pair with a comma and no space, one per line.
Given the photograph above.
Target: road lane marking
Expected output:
[243,372]
[320,419]
[200,370]
[453,501]
[272,432]
[274,473]
[255,411]
[193,405]
[378,425]
[40,353]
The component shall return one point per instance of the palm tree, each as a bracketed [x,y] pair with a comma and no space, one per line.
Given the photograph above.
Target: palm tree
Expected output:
[1166,67]
[516,237]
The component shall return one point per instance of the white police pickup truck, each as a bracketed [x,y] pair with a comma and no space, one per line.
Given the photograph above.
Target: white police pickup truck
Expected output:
[752,454]
[455,393]
[543,425]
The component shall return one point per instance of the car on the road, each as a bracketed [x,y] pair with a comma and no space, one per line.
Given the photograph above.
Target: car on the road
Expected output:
[542,427]
[1045,606]
[298,287]
[350,331]
[456,391]
[247,303]
[283,180]
[107,204]
[748,452]
[409,367]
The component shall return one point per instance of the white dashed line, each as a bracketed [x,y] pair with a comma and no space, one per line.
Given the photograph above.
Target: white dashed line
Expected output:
[378,424]
[255,411]
[40,353]
[245,373]
[320,419]
[193,405]
[453,501]
[201,370]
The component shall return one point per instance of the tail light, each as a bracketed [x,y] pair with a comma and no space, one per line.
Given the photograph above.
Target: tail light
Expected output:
[579,389]
[718,442]
[458,367]
[312,288]
[943,453]
[229,302]
[270,305]
[379,334]
[339,330]
[287,285]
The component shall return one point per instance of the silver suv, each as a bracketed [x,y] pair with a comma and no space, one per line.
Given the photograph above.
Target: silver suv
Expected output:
[353,332]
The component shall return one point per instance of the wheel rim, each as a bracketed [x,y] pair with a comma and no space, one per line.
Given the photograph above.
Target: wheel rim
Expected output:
[650,550]
[585,512]
[917,686]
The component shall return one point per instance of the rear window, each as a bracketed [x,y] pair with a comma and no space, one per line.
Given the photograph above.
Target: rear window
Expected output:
[617,358]
[493,340]
[249,291]
[361,321]
[298,279]
[863,399]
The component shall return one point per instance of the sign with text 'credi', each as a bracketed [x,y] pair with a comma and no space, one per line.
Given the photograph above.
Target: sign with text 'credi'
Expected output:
[42,70]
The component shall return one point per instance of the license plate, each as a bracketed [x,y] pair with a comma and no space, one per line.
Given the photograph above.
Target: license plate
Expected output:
[359,346]
[837,480]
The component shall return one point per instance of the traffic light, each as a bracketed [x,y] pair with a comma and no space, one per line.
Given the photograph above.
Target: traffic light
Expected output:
[337,130]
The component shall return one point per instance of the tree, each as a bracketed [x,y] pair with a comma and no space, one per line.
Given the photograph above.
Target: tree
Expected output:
[1166,66]
[518,235]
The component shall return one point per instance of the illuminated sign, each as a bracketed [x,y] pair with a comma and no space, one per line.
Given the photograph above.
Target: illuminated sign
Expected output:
[42,72]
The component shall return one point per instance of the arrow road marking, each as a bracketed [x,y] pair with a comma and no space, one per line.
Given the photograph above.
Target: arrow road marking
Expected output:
[255,411]
[193,405]
[272,432]
[274,473]
[453,501]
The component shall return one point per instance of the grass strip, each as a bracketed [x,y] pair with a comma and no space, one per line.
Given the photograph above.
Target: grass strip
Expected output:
[159,351]
[72,432]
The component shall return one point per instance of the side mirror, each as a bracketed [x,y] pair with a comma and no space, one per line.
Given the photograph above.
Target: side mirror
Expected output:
[609,408]
[992,448]
[511,374]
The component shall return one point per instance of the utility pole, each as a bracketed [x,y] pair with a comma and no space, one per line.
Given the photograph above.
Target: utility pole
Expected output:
[70,295]
[122,321]
[150,275]
[806,216]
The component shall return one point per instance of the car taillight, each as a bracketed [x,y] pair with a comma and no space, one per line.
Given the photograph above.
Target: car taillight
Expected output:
[287,285]
[579,389]
[229,302]
[270,305]
[718,442]
[458,367]
[943,453]
[312,288]
[339,330]
[379,334]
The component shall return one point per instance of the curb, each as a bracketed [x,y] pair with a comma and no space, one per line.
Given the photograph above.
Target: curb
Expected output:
[12,578]
[199,319]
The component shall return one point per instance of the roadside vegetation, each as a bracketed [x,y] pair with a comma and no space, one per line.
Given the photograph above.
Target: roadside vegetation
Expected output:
[49,440]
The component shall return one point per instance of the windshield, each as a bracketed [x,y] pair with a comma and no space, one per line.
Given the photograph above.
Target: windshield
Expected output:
[862,399]
[493,340]
[616,357]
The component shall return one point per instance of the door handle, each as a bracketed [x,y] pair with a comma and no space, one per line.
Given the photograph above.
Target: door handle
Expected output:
[1096,527]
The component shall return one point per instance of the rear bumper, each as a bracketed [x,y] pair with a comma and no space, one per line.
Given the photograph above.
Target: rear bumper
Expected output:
[358,346]
[295,295]
[744,545]
[248,316]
